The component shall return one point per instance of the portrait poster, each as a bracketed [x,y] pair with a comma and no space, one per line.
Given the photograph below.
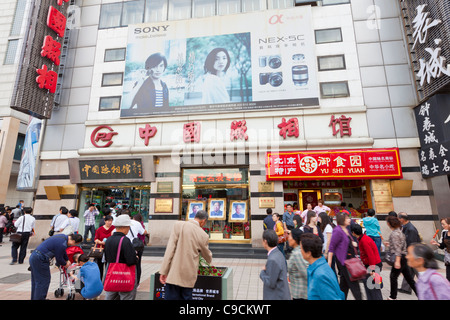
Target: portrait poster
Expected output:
[238,211]
[193,207]
[217,209]
[253,61]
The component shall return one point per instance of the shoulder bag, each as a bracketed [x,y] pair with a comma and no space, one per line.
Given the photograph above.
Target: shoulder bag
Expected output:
[355,267]
[120,277]
[17,237]
[283,238]
[52,229]
[138,244]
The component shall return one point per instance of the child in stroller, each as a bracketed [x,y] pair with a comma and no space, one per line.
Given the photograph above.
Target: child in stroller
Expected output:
[88,277]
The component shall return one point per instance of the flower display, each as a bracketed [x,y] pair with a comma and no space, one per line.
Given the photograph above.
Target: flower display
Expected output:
[205,269]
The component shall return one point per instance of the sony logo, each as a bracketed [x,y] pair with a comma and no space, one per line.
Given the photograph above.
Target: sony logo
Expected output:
[150,29]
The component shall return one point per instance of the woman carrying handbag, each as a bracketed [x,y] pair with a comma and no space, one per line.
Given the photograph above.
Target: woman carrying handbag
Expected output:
[344,248]
[280,231]
[101,234]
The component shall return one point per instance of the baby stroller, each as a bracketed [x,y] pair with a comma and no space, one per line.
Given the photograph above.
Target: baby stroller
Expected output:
[65,282]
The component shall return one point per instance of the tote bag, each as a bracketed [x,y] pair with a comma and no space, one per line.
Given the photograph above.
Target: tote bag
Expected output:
[355,267]
[120,277]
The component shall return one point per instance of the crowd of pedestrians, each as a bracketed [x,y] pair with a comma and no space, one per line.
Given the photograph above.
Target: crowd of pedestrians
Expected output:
[322,257]
[119,238]
[310,255]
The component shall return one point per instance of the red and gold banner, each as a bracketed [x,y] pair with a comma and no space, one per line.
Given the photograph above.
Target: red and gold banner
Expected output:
[334,164]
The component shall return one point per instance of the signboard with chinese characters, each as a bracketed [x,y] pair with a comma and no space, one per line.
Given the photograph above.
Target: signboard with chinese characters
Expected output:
[428,26]
[217,176]
[40,60]
[111,170]
[433,124]
[334,164]
[226,63]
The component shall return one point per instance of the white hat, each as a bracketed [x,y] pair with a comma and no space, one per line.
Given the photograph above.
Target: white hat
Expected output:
[122,221]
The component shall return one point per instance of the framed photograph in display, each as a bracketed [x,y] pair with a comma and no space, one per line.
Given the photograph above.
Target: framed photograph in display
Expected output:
[238,211]
[217,209]
[193,207]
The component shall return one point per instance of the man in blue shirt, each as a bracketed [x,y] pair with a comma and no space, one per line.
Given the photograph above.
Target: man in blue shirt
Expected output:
[322,281]
[53,247]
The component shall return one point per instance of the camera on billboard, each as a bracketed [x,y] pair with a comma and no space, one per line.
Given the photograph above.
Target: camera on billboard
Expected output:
[272,61]
[275,79]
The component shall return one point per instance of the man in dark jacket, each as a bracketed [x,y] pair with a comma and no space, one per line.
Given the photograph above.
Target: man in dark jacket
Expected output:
[412,236]
[53,247]
[274,274]
[127,254]
[268,220]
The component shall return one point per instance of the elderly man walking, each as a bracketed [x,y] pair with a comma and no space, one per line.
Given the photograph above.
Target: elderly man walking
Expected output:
[179,269]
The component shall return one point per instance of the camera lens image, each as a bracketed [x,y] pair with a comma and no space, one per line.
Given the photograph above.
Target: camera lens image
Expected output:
[298,57]
[274,62]
[300,75]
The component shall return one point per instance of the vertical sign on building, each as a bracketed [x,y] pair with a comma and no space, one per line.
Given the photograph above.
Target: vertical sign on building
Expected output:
[433,124]
[427,24]
[38,70]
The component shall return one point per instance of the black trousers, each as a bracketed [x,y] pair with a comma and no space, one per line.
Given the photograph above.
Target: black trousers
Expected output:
[22,246]
[174,292]
[395,273]
[346,284]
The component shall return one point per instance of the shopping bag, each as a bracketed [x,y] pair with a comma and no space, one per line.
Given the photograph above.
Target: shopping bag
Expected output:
[120,277]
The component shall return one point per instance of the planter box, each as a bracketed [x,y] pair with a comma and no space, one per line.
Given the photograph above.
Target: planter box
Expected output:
[206,287]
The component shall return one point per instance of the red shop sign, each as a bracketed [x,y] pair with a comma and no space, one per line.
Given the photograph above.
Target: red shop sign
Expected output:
[334,164]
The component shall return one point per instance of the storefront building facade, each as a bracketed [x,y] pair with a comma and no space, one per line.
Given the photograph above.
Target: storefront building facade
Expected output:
[342,84]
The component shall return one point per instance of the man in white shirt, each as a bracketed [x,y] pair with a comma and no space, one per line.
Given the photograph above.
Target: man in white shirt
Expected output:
[61,220]
[25,225]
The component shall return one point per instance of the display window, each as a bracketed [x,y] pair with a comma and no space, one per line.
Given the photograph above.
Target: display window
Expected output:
[224,194]
[329,194]
[135,197]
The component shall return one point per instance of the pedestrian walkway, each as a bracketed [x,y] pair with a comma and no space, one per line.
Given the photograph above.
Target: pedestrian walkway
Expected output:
[15,280]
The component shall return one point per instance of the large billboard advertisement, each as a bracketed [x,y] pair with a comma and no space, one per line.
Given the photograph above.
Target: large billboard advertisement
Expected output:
[253,61]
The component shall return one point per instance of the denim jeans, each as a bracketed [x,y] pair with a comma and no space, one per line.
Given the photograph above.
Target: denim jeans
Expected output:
[377,241]
[40,275]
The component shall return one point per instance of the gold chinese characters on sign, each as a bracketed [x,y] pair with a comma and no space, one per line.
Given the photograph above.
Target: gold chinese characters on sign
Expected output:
[110,169]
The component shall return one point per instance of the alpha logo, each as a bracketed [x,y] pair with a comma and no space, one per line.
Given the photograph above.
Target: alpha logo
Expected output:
[103,136]
[276,18]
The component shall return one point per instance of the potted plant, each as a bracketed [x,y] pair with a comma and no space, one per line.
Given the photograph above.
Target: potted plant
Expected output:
[226,231]
[246,230]
[237,229]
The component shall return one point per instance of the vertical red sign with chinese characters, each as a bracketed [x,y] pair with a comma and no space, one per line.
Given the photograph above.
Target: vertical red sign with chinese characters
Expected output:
[51,48]
[334,164]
